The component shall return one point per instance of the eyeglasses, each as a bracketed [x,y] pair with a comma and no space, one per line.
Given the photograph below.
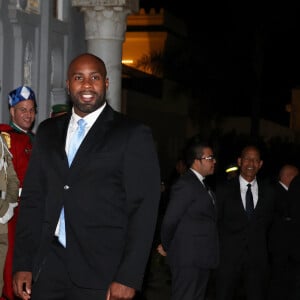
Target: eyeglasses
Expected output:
[209,158]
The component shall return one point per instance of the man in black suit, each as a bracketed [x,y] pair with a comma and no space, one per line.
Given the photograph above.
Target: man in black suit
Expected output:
[243,226]
[189,230]
[279,233]
[109,195]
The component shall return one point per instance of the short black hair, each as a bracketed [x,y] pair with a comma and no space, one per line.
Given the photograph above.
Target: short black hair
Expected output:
[194,150]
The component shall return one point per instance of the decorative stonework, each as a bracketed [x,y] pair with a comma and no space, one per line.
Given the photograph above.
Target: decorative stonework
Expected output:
[33,6]
[12,11]
[29,6]
[28,58]
[105,24]
[106,19]
[147,19]
[132,5]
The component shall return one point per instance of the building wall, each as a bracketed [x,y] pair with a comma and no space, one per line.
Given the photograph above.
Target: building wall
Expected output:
[268,129]
[35,49]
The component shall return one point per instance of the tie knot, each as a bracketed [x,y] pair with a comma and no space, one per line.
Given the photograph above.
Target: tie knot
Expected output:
[205,183]
[249,185]
[81,123]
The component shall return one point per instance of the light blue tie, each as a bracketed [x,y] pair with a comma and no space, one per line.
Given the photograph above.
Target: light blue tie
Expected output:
[73,146]
[76,140]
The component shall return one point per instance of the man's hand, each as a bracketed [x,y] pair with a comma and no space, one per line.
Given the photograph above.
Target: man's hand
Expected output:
[161,250]
[118,291]
[22,284]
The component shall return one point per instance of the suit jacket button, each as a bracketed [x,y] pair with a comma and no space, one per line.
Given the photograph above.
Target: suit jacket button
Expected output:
[66,187]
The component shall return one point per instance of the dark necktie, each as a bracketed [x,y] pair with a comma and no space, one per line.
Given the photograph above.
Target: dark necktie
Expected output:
[249,202]
[209,190]
[73,146]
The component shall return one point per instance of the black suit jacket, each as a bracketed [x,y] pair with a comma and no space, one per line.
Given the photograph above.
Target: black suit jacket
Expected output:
[238,235]
[110,194]
[189,228]
[293,226]
[278,237]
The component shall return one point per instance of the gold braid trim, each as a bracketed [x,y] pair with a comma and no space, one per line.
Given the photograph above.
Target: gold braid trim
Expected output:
[6,136]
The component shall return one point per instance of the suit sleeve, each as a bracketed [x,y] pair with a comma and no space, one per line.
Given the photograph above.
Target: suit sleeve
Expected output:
[142,184]
[180,199]
[29,222]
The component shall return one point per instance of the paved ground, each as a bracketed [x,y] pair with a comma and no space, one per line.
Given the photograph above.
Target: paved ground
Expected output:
[157,284]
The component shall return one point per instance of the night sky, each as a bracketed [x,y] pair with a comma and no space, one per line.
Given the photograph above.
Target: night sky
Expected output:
[241,53]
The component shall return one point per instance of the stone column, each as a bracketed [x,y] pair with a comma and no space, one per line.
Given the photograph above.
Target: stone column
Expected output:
[105,27]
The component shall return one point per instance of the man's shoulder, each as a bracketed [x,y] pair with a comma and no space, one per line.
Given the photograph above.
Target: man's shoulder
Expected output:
[53,124]
[6,131]
[228,186]
[5,128]
[295,184]
[123,119]
[126,120]
[12,136]
[188,178]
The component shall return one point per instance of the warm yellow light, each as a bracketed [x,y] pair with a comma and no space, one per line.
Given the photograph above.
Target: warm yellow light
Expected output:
[231,169]
[127,61]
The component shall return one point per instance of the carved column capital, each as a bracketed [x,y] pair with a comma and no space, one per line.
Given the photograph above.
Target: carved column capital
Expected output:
[105,24]
[105,28]
[106,19]
[132,5]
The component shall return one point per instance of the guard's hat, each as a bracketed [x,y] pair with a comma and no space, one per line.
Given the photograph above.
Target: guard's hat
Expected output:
[58,109]
[19,94]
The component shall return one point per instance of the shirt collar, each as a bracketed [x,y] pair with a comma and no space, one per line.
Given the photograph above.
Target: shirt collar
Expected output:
[90,118]
[199,176]
[16,127]
[283,185]
[244,182]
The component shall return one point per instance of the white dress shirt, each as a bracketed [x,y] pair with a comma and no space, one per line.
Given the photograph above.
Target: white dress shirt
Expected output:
[244,187]
[90,120]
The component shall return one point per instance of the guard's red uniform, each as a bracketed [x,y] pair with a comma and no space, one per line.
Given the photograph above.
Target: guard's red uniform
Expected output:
[20,145]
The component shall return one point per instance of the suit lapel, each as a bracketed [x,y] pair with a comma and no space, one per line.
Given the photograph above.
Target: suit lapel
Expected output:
[260,199]
[238,197]
[200,185]
[61,134]
[95,137]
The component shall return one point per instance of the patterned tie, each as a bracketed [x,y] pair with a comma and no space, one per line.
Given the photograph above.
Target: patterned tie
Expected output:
[249,202]
[73,146]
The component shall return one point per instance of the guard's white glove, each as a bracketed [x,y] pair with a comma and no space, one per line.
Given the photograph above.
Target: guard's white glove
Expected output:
[9,214]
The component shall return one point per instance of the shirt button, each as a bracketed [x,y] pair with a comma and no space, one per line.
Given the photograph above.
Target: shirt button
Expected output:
[66,187]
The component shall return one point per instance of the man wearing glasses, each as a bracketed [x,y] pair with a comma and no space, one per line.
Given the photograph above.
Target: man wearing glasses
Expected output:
[189,230]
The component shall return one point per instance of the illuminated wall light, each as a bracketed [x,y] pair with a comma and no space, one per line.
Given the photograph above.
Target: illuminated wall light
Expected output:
[127,61]
[231,169]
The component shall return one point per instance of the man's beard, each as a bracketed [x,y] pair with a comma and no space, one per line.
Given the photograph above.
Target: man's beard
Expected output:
[88,107]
